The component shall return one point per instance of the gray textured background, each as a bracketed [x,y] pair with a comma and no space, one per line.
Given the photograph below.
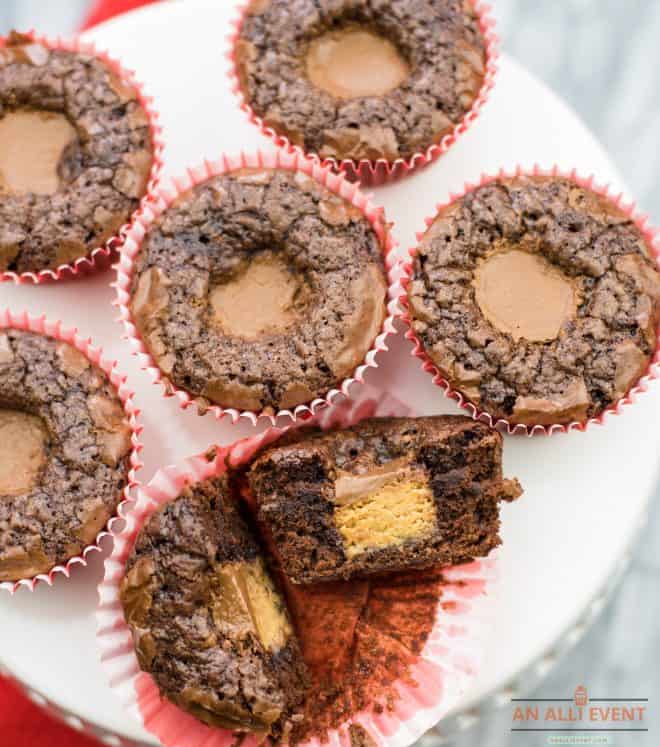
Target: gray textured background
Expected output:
[603,56]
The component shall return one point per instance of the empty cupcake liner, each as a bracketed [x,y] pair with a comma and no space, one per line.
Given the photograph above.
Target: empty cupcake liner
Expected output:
[434,683]
[651,238]
[101,257]
[167,194]
[42,326]
[380,171]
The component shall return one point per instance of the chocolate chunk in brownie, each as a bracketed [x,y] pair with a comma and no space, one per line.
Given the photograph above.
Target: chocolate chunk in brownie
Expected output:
[208,623]
[537,298]
[361,79]
[385,495]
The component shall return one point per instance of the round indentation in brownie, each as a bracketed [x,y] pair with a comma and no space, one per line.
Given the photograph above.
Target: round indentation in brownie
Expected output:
[524,295]
[360,80]
[537,298]
[23,443]
[75,155]
[32,148]
[64,453]
[259,290]
[260,298]
[353,62]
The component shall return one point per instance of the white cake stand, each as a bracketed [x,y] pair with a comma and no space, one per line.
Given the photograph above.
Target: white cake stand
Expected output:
[586,494]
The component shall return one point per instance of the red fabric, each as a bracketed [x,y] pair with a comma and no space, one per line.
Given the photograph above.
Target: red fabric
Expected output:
[23,724]
[102,10]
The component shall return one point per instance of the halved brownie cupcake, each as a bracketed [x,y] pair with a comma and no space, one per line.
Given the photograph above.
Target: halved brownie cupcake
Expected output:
[385,495]
[208,622]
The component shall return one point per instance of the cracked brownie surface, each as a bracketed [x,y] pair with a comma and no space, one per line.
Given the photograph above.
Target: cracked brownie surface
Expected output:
[64,453]
[537,299]
[361,79]
[207,621]
[259,289]
[68,113]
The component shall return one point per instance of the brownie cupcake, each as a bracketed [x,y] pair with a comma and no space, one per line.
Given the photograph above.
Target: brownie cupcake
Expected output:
[374,669]
[361,79]
[386,495]
[65,443]
[76,154]
[537,298]
[258,290]
[208,623]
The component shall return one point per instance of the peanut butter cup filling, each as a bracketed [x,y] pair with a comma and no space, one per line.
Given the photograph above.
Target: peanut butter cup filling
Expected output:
[245,600]
[383,508]
[261,299]
[23,441]
[524,295]
[32,147]
[354,62]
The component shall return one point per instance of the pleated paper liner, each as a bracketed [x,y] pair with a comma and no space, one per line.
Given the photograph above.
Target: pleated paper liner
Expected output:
[417,700]
[650,235]
[42,326]
[380,171]
[101,257]
[167,194]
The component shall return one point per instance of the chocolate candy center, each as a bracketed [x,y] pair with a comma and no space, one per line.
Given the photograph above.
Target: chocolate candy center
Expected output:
[353,62]
[23,440]
[523,295]
[260,299]
[32,144]
[384,507]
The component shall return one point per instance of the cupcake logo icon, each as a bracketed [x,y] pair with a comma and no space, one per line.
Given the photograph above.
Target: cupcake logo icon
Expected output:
[580,696]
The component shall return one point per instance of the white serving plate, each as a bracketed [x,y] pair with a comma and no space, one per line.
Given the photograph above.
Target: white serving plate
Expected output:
[586,493]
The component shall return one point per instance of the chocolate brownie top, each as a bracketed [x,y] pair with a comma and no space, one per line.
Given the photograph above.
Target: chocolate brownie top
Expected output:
[537,299]
[361,79]
[75,155]
[368,445]
[64,453]
[259,289]
[207,622]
